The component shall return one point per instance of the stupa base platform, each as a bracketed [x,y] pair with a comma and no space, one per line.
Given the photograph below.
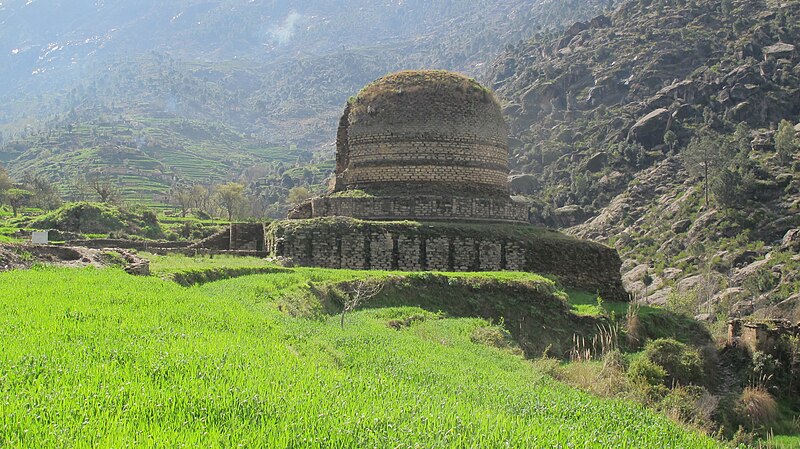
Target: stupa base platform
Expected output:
[349,243]
[416,207]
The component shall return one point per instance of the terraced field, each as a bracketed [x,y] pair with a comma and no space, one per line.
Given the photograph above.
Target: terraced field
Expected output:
[143,156]
[94,357]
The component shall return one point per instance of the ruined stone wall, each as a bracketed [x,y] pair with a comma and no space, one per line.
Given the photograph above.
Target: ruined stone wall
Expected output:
[427,207]
[355,244]
[247,237]
[237,237]
[760,336]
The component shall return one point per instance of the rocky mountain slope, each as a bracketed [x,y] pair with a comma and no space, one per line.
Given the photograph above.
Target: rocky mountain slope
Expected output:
[609,119]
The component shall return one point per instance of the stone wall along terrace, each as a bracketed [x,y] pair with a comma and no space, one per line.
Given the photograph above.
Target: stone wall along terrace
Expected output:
[236,237]
[410,246]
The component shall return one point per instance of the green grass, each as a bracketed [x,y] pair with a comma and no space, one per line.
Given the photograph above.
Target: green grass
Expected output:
[656,322]
[782,442]
[98,358]
[6,234]
[164,265]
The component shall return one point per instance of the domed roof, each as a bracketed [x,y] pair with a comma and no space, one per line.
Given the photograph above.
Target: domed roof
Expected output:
[423,130]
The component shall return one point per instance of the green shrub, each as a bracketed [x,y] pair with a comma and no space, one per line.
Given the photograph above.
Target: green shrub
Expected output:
[690,404]
[683,365]
[100,218]
[643,371]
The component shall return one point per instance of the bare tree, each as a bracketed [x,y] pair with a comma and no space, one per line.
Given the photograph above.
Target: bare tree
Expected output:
[359,292]
[201,197]
[183,197]
[106,189]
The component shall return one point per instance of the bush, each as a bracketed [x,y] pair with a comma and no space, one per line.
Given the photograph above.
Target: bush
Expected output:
[644,371]
[683,365]
[690,404]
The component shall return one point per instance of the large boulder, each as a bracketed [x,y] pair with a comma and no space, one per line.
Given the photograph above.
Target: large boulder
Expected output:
[791,240]
[600,21]
[523,184]
[649,130]
[597,161]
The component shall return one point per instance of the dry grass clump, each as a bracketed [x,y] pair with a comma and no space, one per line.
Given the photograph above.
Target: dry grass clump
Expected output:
[604,341]
[757,406]
[633,327]
[605,377]
[496,337]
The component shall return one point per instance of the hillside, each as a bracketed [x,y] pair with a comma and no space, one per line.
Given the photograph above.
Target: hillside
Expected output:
[186,92]
[270,62]
[146,157]
[608,120]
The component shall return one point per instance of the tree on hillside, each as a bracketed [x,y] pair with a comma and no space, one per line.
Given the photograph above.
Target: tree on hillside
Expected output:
[45,195]
[727,188]
[297,195]
[106,189]
[5,185]
[5,182]
[785,142]
[704,157]
[743,139]
[183,197]
[201,197]
[671,139]
[231,198]
[17,198]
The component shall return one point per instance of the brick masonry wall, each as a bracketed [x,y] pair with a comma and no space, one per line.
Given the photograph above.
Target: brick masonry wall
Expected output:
[423,134]
[356,244]
[428,207]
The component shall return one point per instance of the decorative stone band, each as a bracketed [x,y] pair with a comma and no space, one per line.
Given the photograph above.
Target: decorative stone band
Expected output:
[393,137]
[423,154]
[419,246]
[426,173]
[421,207]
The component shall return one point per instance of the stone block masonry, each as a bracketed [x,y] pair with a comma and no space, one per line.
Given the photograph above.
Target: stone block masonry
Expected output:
[413,246]
[420,207]
[236,237]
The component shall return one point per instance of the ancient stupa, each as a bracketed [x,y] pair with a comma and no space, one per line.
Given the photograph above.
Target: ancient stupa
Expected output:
[421,183]
[421,145]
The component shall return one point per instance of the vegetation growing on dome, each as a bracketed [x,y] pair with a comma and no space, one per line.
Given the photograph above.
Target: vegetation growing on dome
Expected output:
[413,81]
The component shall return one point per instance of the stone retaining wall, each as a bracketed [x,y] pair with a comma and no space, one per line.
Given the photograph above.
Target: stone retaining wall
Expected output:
[236,237]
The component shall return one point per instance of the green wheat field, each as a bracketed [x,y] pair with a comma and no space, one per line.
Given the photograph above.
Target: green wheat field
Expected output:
[98,358]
